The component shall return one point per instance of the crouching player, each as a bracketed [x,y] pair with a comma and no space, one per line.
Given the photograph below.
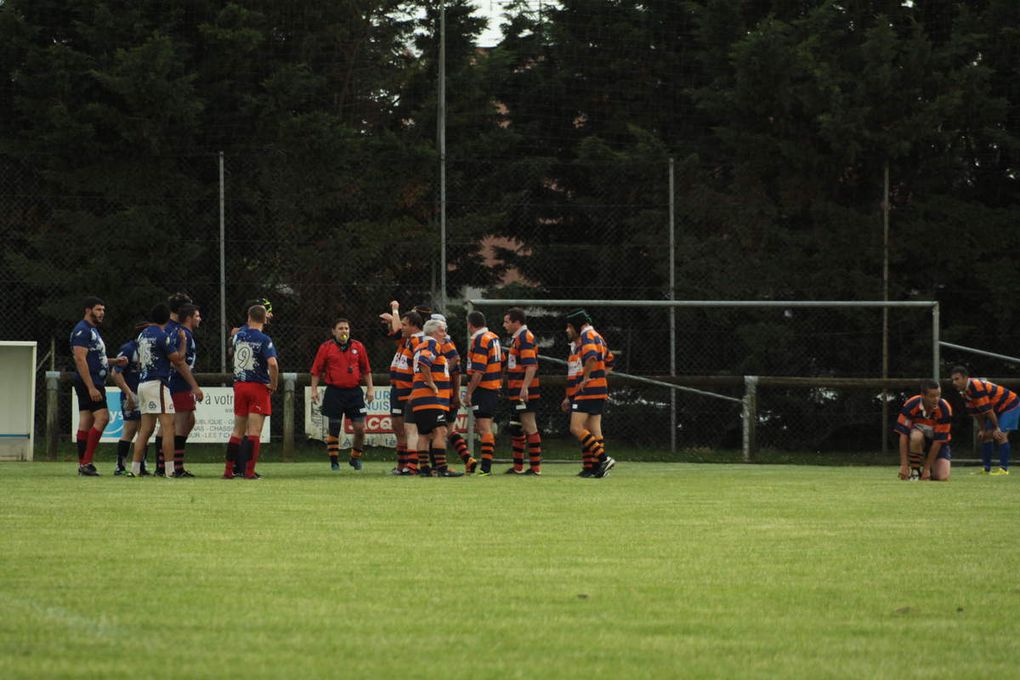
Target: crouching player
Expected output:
[923,426]
[996,412]
[430,401]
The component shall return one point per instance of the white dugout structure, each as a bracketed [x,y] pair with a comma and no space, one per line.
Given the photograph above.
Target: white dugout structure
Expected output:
[749,409]
[17,400]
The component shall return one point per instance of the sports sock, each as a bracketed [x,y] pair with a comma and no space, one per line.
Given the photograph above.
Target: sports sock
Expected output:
[401,456]
[233,449]
[410,459]
[356,453]
[915,459]
[123,447]
[179,442]
[439,459]
[488,448]
[460,446]
[82,440]
[253,446]
[1004,453]
[136,467]
[518,452]
[91,443]
[535,451]
[333,448]
[160,463]
[601,449]
[986,454]
[423,459]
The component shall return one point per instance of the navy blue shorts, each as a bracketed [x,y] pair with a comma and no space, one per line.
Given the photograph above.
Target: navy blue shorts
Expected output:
[429,419]
[484,403]
[344,401]
[944,453]
[593,407]
[85,402]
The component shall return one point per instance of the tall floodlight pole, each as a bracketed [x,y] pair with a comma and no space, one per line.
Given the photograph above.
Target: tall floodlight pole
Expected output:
[441,123]
[885,298]
[672,310]
[223,272]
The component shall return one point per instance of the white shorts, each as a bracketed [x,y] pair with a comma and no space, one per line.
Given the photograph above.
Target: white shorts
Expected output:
[154,398]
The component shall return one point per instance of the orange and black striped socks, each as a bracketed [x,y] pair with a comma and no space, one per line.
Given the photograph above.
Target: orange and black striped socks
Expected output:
[518,452]
[401,456]
[535,451]
[333,449]
[356,453]
[439,459]
[592,447]
[460,446]
[488,449]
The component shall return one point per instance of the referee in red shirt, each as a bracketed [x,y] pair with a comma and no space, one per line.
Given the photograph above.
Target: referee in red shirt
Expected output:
[343,365]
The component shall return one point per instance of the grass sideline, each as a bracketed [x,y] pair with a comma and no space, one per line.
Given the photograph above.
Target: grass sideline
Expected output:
[659,571]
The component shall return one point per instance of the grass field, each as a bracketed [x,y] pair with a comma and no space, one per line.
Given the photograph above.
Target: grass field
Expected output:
[658,571]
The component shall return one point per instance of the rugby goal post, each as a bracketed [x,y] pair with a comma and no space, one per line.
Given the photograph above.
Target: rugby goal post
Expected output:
[749,405]
[17,400]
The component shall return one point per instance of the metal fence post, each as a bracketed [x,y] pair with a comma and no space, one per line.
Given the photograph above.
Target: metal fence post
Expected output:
[289,380]
[52,413]
[672,310]
[935,349]
[750,416]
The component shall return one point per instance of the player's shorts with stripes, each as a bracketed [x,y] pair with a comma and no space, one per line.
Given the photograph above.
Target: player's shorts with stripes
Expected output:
[429,419]
[593,407]
[183,401]
[484,402]
[344,401]
[252,397]
[85,402]
[154,398]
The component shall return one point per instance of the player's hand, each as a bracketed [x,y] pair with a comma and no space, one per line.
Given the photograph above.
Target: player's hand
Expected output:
[94,394]
[435,389]
[394,305]
[454,402]
[982,436]
[315,395]
[467,399]
[369,395]
[199,394]
[904,472]
[523,396]
[926,473]
[581,385]
[131,401]
[271,388]
[386,316]
[999,436]
[120,362]
[565,405]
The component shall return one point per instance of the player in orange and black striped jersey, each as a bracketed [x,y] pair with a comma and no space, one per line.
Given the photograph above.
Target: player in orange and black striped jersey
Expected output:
[405,330]
[996,412]
[924,425]
[430,402]
[523,392]
[589,392]
[485,368]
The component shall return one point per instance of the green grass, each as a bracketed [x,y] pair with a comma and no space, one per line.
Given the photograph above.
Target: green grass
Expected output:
[659,571]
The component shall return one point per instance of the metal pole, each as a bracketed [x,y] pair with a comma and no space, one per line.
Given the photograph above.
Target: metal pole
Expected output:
[750,417]
[289,380]
[885,310]
[468,308]
[441,122]
[672,310]
[52,413]
[935,358]
[223,272]
[981,352]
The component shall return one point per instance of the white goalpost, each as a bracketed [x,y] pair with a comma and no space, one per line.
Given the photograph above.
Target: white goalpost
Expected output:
[17,400]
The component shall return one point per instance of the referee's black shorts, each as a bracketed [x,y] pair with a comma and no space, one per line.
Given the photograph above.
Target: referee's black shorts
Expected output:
[344,401]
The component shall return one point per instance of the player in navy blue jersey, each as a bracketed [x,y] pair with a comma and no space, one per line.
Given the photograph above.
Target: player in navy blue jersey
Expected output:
[256,374]
[188,320]
[156,355]
[173,330]
[91,368]
[126,378]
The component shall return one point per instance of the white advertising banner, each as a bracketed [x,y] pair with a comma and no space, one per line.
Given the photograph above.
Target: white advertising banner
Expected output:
[214,417]
[378,426]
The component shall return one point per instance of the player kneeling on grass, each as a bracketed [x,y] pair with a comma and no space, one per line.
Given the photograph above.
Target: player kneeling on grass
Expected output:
[156,355]
[996,412]
[923,426]
[430,401]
